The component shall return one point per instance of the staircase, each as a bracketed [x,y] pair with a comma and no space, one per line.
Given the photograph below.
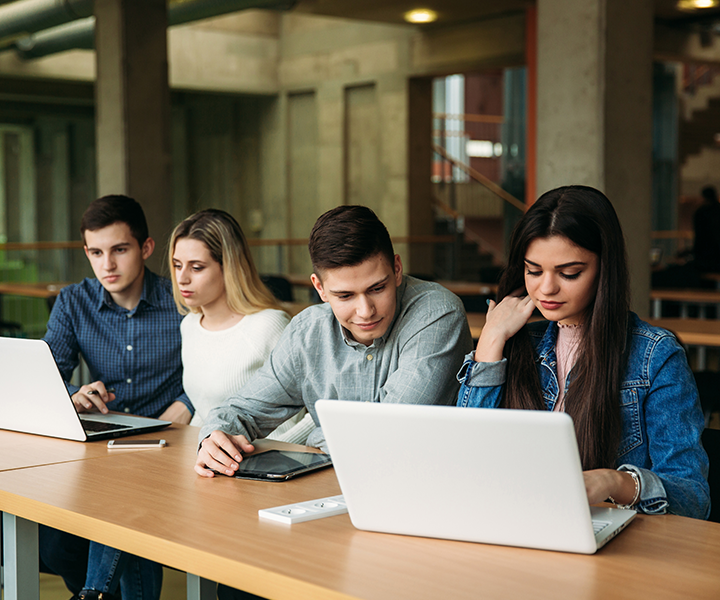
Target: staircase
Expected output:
[699,135]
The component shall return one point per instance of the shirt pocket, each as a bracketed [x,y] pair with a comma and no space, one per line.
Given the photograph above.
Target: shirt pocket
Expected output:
[630,417]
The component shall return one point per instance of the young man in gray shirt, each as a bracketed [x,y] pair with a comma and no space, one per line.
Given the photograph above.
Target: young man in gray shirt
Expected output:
[379,336]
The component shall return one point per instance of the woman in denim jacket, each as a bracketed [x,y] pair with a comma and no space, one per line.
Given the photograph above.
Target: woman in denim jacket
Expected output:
[626,384]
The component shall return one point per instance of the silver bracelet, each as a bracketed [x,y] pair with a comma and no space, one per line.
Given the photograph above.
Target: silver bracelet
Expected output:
[636,497]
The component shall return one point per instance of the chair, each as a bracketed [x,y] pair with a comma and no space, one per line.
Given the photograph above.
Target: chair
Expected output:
[711,442]
[708,384]
[280,287]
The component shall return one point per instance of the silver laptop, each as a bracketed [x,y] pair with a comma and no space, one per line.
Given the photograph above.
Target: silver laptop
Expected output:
[34,399]
[510,477]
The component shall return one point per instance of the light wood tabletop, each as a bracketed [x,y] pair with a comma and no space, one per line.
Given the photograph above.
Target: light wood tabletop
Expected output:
[22,450]
[34,290]
[693,332]
[700,296]
[476,322]
[460,288]
[152,503]
[470,288]
[685,297]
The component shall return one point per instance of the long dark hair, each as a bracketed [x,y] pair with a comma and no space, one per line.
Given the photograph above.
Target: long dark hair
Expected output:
[586,217]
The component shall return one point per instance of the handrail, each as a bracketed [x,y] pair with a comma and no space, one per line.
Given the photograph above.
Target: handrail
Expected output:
[407,239]
[41,245]
[499,119]
[480,178]
[450,212]
[668,234]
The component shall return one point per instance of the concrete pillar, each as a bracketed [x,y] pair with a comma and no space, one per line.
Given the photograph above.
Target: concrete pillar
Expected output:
[420,210]
[133,109]
[594,112]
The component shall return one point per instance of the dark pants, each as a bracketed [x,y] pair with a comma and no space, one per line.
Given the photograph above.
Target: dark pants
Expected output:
[65,555]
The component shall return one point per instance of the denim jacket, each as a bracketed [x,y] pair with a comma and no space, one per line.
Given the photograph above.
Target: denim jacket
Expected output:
[661,416]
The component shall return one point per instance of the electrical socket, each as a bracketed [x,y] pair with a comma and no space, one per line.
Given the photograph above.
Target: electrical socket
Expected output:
[305,511]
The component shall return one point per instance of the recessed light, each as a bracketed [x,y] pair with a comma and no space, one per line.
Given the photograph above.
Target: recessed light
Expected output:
[696,4]
[421,15]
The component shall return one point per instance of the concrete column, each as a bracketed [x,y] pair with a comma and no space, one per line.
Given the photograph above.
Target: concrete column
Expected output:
[133,109]
[419,165]
[594,112]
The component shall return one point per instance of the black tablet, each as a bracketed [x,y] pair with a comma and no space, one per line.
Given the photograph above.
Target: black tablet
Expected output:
[280,465]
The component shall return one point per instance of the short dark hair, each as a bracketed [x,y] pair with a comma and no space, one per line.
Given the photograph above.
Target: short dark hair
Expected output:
[709,193]
[347,236]
[107,210]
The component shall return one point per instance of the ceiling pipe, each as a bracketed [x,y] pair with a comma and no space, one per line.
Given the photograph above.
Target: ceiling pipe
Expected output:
[80,34]
[18,19]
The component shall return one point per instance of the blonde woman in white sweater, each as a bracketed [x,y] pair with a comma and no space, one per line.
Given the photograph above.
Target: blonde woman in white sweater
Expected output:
[232,320]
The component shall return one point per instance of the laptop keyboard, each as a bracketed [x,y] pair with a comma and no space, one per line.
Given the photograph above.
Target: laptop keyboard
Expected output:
[598,526]
[100,426]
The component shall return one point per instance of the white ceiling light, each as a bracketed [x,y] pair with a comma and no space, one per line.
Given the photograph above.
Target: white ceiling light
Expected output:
[696,4]
[421,15]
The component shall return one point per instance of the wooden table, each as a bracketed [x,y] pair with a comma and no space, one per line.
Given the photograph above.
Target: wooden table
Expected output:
[151,503]
[685,297]
[470,288]
[693,332]
[714,277]
[476,322]
[293,308]
[459,288]
[34,290]
[49,291]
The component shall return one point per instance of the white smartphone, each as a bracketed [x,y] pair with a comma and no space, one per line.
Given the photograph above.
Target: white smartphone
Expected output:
[120,444]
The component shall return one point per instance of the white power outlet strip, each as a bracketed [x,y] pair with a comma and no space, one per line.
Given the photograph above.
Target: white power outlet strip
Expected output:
[305,511]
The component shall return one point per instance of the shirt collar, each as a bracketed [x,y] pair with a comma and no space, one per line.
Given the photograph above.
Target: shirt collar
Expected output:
[548,341]
[148,296]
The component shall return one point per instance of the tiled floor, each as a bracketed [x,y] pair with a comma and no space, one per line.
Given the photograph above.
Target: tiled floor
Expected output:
[53,588]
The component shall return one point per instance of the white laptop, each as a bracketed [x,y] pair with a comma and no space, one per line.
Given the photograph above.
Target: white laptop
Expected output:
[510,477]
[34,399]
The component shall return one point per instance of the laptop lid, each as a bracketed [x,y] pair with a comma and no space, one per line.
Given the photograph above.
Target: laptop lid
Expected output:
[34,399]
[509,477]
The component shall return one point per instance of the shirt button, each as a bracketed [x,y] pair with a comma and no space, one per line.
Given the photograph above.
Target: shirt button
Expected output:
[127,410]
[369,356]
[129,315]
[129,348]
[129,380]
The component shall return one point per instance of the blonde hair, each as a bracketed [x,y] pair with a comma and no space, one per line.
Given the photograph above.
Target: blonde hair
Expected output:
[220,232]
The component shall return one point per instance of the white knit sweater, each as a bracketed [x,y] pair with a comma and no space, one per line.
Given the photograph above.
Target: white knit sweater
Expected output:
[217,363]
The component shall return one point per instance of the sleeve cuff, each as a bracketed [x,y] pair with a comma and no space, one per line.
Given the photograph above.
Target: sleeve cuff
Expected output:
[485,374]
[653,497]
[186,401]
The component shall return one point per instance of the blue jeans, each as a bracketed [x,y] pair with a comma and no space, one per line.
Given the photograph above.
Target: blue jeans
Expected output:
[138,578]
[89,565]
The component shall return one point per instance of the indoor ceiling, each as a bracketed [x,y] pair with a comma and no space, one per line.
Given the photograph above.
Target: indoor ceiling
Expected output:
[455,11]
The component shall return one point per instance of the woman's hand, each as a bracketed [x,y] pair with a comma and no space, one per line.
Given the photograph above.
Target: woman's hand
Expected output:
[600,484]
[503,321]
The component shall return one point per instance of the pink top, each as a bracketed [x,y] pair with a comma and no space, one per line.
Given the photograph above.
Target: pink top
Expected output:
[566,348]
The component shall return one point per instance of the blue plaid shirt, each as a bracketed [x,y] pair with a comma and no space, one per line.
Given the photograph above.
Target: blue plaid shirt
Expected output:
[135,351]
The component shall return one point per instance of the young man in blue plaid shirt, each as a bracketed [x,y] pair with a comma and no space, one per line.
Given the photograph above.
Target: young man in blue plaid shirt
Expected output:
[127,328]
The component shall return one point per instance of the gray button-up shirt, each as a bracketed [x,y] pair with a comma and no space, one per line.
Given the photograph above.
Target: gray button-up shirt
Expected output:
[414,362]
